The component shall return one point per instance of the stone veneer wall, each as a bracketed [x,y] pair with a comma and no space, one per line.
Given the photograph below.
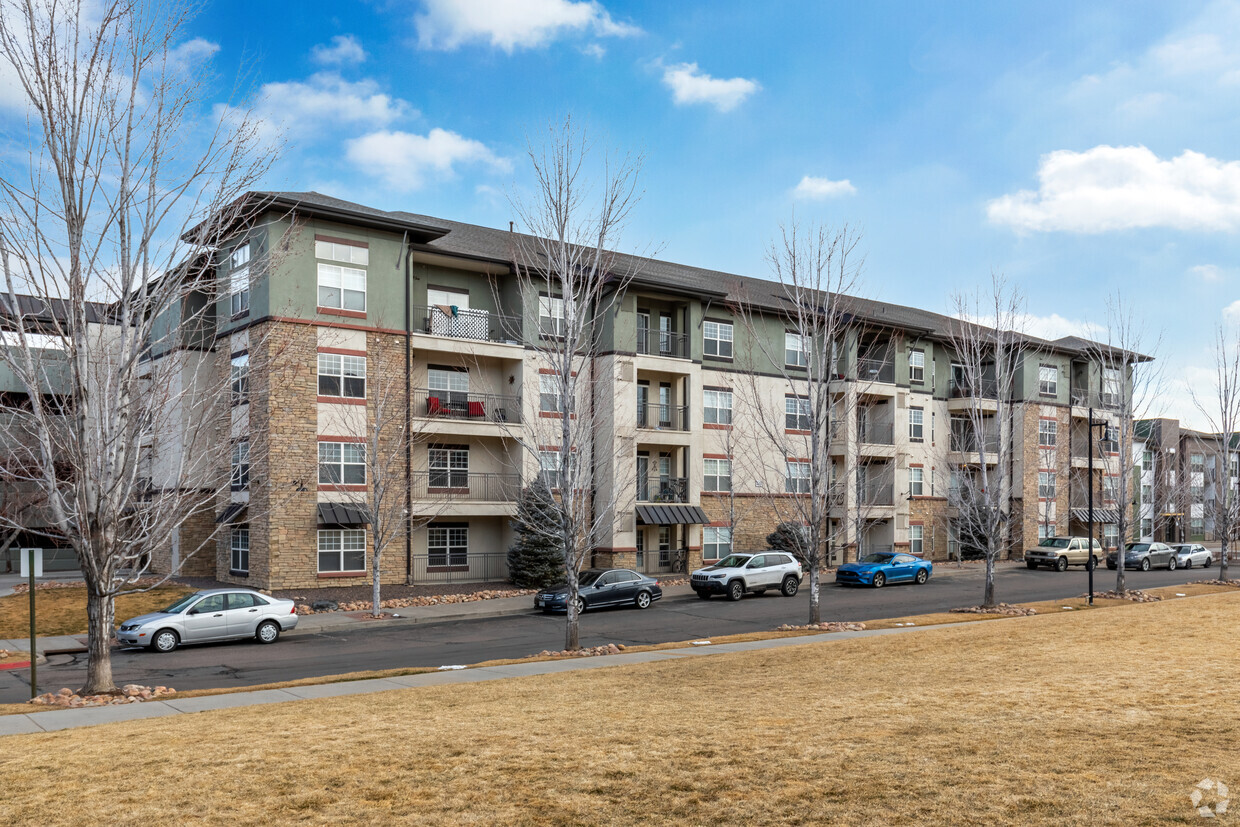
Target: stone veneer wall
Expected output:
[931,512]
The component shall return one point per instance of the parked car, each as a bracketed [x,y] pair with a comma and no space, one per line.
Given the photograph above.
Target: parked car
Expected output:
[883,567]
[601,587]
[737,574]
[1061,552]
[215,614]
[1188,555]
[1144,556]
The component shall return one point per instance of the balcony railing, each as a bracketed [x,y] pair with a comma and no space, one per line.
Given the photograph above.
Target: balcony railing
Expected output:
[663,490]
[984,389]
[1080,397]
[466,323]
[969,443]
[876,370]
[663,343]
[876,433]
[876,493]
[459,566]
[663,417]
[479,407]
[464,486]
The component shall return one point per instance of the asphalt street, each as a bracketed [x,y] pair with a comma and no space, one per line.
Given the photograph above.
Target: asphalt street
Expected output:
[381,646]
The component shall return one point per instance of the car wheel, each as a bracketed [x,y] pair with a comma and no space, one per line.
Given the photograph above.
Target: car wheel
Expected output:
[1171,564]
[1093,561]
[581,606]
[736,590]
[922,577]
[790,586]
[1209,562]
[1112,566]
[880,580]
[1029,564]
[1061,564]
[165,640]
[1188,562]
[642,601]
[268,632]
[702,593]
[1145,564]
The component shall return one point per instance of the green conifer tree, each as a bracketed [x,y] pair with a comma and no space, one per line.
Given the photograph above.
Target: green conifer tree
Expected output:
[536,557]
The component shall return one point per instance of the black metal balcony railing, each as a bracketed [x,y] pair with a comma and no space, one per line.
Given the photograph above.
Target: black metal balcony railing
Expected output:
[663,490]
[876,493]
[984,389]
[876,433]
[462,485]
[480,407]
[459,566]
[969,443]
[465,323]
[663,417]
[835,494]
[663,343]
[876,370]
[1080,397]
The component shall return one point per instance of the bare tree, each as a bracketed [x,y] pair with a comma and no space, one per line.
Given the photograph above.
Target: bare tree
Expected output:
[564,262]
[113,207]
[1221,408]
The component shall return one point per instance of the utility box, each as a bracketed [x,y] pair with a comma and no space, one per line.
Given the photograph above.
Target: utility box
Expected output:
[38,562]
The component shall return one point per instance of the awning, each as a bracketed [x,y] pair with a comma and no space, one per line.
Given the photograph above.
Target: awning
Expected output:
[235,513]
[1102,516]
[671,515]
[342,514]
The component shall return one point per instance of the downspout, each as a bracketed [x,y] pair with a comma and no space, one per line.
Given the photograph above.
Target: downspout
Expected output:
[408,420]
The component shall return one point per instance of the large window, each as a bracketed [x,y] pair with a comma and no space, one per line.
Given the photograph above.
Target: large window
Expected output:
[916,481]
[342,463]
[1147,460]
[240,378]
[341,375]
[1110,439]
[1048,433]
[548,393]
[455,381]
[717,407]
[1048,380]
[1110,487]
[794,350]
[1110,535]
[239,543]
[1147,494]
[717,475]
[915,540]
[346,253]
[342,288]
[449,467]
[342,549]
[796,413]
[917,366]
[240,466]
[447,545]
[1111,386]
[1046,485]
[239,280]
[797,481]
[916,425]
[551,315]
[717,339]
[716,542]
[549,468]
[1147,527]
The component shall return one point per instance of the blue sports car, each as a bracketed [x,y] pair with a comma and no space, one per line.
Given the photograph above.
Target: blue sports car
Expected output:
[885,567]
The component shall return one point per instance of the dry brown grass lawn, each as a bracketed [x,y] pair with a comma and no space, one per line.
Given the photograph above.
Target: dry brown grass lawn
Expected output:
[1073,718]
[63,611]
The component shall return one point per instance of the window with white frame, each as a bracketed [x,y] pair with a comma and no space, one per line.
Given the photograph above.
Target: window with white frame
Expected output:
[1111,386]
[239,279]
[1110,535]
[551,315]
[916,481]
[342,288]
[716,542]
[1110,485]
[1048,433]
[447,545]
[1044,531]
[1196,525]
[1048,380]
[717,407]
[1147,460]
[239,545]
[342,463]
[342,549]
[239,375]
[915,540]
[548,393]
[1110,439]
[449,466]
[549,468]
[797,479]
[341,375]
[346,253]
[796,413]
[1147,527]
[916,425]
[795,354]
[1147,493]
[717,339]
[917,365]
[1046,485]
[717,475]
[240,466]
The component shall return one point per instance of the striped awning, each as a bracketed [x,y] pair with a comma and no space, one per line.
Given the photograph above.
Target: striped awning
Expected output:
[342,514]
[1103,516]
[671,515]
[235,513]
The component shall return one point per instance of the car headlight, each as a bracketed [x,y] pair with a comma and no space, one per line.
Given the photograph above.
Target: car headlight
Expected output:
[717,576]
[559,596]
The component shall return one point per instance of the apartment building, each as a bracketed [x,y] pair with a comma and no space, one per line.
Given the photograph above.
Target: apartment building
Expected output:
[350,298]
[1183,474]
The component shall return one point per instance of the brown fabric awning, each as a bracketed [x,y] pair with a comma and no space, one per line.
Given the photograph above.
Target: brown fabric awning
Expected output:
[342,514]
[671,515]
[1104,516]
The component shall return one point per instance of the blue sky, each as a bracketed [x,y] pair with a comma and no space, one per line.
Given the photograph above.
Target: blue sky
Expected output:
[1079,148]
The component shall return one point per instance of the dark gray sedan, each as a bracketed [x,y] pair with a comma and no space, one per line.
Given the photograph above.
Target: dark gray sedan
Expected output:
[216,614]
[1144,556]
[602,587]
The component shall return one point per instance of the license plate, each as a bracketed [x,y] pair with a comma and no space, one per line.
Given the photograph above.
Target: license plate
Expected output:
[538,601]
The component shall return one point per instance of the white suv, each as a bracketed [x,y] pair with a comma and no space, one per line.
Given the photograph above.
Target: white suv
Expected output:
[739,573]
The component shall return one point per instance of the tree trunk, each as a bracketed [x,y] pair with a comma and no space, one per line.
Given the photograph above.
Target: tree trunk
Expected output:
[1222,563]
[1120,584]
[815,608]
[571,642]
[374,589]
[101,612]
[988,598]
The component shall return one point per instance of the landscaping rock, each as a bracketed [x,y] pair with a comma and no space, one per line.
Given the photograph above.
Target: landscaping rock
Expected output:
[407,602]
[130,693]
[1134,595]
[1002,609]
[609,649]
[823,627]
[1235,584]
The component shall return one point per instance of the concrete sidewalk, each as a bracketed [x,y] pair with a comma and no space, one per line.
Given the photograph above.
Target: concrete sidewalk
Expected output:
[53,720]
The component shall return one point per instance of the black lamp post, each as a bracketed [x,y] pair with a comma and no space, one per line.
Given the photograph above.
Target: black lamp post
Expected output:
[1089,562]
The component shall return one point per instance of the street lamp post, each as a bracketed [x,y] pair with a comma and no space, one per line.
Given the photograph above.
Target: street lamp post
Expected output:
[1089,561]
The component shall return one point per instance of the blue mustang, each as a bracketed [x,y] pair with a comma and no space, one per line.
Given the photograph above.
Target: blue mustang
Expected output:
[885,567]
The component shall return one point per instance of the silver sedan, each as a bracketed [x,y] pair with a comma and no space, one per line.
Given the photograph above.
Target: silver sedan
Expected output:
[1188,555]
[216,614]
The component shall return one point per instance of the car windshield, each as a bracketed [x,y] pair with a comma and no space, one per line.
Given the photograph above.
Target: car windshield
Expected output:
[588,577]
[180,604]
[1138,546]
[1054,542]
[733,561]
[876,558]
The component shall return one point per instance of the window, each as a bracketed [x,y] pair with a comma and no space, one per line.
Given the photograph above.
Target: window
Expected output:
[1147,527]
[916,424]
[717,339]
[549,465]
[456,381]
[1048,433]
[551,315]
[1110,535]
[341,375]
[915,540]
[1147,493]
[1147,460]
[1197,462]
[335,251]
[342,549]
[917,366]
[1197,525]
[916,482]
[1048,380]
[717,407]
[342,288]
[240,466]
[796,413]
[717,475]
[1111,386]
[716,542]
[1110,439]
[548,393]
[1110,485]
[1046,485]
[342,463]
[447,545]
[449,467]
[240,376]
[239,543]
[795,354]
[1045,531]
[239,280]
[797,481]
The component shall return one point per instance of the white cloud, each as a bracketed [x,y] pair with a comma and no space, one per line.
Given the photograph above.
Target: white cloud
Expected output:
[325,100]
[1120,188]
[344,48]
[192,52]
[819,188]
[1207,272]
[689,84]
[512,24]
[1232,312]
[406,161]
[594,50]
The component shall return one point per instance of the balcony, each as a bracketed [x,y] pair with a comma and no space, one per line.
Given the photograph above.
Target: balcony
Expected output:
[876,433]
[474,407]
[970,443]
[876,370]
[458,323]
[985,389]
[663,417]
[663,343]
[876,494]
[463,486]
[663,490]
